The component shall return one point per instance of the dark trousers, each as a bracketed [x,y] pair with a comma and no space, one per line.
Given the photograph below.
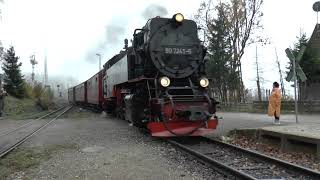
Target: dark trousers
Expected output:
[275,116]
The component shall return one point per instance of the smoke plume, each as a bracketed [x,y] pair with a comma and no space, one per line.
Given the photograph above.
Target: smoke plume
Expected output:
[115,31]
[154,10]
[113,36]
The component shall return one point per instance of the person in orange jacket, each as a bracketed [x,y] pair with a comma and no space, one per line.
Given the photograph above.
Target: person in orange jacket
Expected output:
[275,103]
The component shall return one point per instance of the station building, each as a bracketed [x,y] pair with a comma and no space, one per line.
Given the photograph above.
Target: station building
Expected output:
[310,90]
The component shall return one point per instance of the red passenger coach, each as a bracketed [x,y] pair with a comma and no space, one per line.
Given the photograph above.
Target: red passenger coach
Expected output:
[81,93]
[94,90]
[71,95]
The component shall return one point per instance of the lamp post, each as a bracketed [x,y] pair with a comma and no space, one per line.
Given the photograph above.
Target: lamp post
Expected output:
[99,60]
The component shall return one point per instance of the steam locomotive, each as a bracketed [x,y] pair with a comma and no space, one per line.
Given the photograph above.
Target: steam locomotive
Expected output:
[158,83]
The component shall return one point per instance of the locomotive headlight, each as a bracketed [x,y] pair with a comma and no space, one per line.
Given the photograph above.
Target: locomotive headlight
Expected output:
[204,82]
[165,81]
[178,17]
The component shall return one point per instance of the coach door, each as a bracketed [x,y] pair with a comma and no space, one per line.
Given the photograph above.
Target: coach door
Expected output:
[104,87]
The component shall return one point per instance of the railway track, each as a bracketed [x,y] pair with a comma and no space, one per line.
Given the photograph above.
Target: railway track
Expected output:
[22,133]
[10,131]
[241,163]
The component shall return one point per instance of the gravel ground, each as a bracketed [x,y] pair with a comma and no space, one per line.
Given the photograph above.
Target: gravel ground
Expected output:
[107,148]
[300,158]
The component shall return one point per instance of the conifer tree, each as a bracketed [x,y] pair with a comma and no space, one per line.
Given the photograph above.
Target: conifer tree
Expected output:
[13,80]
[219,48]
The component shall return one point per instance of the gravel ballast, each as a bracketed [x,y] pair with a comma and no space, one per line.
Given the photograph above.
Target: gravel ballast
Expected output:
[301,158]
[107,148]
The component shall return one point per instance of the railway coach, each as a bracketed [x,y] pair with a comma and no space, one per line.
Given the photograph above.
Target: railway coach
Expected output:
[80,93]
[95,90]
[88,93]
[71,95]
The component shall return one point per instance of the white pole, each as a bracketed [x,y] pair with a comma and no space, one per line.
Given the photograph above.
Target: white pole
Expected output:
[99,63]
[99,60]
[295,89]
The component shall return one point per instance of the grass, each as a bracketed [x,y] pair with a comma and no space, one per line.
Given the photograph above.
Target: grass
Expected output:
[21,108]
[22,159]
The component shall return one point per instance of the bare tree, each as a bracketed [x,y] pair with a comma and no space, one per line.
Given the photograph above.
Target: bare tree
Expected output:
[244,22]
[258,76]
[1,2]
[1,47]
[280,73]
[1,50]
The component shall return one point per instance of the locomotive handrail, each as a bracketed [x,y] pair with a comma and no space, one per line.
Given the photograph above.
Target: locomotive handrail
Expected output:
[134,33]
[182,87]
[188,95]
[134,37]
[187,100]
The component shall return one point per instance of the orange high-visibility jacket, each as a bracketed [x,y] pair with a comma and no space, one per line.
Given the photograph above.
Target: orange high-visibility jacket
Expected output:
[274,102]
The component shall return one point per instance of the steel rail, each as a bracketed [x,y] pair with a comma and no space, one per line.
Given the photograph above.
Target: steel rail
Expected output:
[224,167]
[6,151]
[268,158]
[10,131]
[256,155]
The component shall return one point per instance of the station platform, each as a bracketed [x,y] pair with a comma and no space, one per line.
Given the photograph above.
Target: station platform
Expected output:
[304,136]
[289,135]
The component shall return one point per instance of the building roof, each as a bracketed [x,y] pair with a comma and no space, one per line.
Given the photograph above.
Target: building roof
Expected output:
[314,41]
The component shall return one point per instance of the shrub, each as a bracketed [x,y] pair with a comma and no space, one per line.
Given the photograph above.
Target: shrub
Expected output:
[45,101]
[28,90]
[37,90]
[43,96]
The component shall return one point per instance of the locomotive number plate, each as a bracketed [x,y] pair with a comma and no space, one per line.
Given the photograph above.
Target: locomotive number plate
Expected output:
[178,51]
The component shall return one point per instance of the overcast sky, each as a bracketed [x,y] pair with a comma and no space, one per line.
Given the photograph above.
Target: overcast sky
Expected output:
[71,32]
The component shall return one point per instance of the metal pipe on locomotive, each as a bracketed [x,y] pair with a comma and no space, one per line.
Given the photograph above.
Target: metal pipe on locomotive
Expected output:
[160,82]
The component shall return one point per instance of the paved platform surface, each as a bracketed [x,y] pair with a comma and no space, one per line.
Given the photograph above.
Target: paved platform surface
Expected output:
[308,131]
[235,120]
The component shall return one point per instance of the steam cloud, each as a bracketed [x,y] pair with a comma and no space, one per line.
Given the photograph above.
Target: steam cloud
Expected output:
[113,35]
[154,10]
[115,31]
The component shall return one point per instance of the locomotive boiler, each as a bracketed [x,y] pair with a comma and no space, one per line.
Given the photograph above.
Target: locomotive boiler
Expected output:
[160,81]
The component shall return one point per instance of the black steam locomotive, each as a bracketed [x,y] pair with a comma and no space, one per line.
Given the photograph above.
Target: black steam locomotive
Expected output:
[160,82]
